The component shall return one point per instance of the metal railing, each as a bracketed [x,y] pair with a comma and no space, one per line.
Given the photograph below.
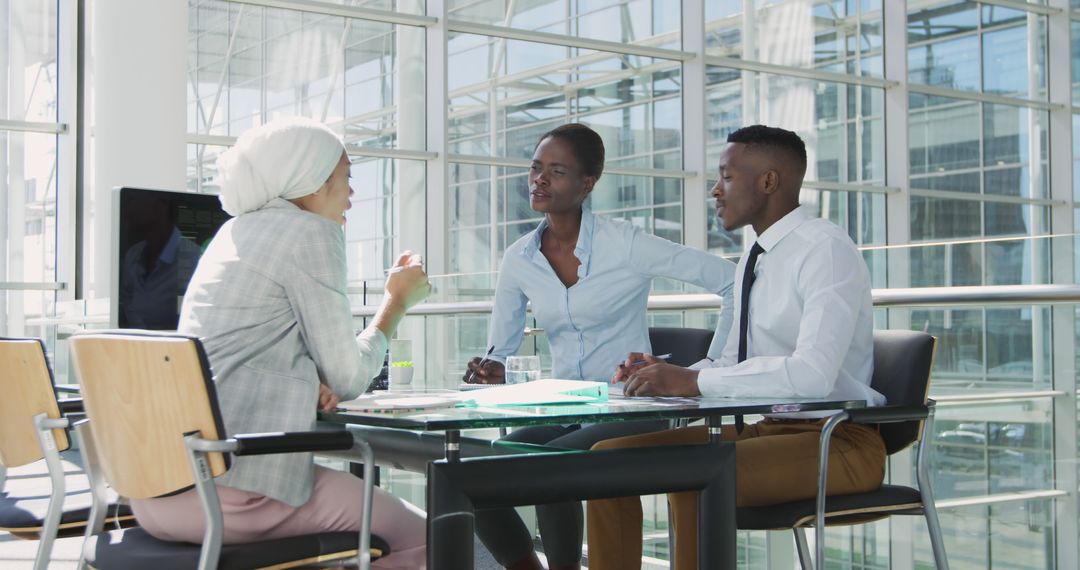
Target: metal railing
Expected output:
[883,298]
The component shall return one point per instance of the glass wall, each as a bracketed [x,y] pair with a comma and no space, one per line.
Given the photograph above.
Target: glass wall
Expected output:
[29,127]
[933,129]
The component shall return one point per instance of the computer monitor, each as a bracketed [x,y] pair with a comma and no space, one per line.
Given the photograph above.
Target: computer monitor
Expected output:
[158,237]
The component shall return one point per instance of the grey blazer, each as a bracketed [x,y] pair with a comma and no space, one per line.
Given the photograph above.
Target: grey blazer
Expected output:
[268,301]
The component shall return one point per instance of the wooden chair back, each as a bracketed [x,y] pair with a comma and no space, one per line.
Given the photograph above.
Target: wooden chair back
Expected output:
[143,392]
[27,387]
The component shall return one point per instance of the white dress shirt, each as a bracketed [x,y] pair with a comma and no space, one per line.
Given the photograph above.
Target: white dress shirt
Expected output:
[592,325]
[810,333]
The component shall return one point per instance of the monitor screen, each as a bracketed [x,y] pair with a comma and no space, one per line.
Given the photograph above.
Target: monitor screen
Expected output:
[158,237]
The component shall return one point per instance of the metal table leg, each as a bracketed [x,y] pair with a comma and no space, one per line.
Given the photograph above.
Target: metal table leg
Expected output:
[453,445]
[456,488]
[451,523]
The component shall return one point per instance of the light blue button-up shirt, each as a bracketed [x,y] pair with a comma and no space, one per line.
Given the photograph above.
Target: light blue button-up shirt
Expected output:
[594,324]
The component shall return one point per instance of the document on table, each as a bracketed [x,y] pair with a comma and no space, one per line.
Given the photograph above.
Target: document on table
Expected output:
[551,391]
[540,392]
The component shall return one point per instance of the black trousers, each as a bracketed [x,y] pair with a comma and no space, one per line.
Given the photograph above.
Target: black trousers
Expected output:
[561,524]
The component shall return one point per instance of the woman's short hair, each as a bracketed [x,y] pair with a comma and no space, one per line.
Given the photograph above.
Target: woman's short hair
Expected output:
[585,143]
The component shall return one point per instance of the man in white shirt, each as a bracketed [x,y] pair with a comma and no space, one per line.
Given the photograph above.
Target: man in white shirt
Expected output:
[803,328]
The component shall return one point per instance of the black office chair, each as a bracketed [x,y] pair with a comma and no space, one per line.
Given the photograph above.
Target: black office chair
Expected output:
[33,427]
[685,345]
[154,428]
[902,364]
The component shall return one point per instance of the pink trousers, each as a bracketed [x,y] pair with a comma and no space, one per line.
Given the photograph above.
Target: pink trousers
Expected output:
[335,505]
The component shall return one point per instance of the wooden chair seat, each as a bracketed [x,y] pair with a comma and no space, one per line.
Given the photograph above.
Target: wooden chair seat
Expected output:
[23,516]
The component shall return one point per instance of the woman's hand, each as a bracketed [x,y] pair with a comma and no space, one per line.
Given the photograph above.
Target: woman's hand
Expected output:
[407,284]
[328,401]
[490,372]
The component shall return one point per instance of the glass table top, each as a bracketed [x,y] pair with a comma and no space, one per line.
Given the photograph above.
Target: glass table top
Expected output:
[617,408]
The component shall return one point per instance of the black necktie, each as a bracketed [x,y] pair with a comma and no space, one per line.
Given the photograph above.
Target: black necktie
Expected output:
[747,282]
[744,312]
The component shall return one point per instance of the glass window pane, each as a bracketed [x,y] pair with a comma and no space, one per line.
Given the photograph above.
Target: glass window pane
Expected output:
[944,136]
[202,167]
[352,74]
[1012,64]
[1076,157]
[29,204]
[842,125]
[653,23]
[988,48]
[1003,536]
[389,195]
[952,139]
[844,37]
[988,349]
[1076,61]
[28,61]
[633,102]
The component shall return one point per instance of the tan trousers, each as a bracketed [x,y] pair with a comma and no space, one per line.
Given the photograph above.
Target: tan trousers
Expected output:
[776,461]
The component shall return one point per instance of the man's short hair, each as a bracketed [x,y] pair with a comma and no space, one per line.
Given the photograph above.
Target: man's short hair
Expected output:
[772,138]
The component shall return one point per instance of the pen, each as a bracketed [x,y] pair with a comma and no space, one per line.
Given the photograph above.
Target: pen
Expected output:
[481,363]
[659,357]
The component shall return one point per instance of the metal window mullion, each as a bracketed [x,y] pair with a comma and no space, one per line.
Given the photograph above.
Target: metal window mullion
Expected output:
[639,49]
[1026,6]
[898,231]
[524,163]
[344,10]
[1064,349]
[982,97]
[33,126]
[438,174]
[694,210]
[571,61]
[353,150]
[790,71]
[67,147]
[984,198]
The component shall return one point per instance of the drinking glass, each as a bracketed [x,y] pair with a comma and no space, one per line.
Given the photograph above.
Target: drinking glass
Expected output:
[521,369]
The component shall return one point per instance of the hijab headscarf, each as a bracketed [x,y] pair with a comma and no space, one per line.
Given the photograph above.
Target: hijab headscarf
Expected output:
[285,158]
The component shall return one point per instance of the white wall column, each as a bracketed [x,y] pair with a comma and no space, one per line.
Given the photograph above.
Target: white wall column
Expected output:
[137,111]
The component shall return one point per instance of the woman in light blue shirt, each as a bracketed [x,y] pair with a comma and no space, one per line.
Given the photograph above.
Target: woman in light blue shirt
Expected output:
[588,278]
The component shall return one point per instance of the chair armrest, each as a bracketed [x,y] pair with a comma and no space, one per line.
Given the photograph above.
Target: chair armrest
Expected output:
[888,414]
[294,442]
[70,405]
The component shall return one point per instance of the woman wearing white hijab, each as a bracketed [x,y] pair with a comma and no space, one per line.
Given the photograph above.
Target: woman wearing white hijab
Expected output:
[268,300]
